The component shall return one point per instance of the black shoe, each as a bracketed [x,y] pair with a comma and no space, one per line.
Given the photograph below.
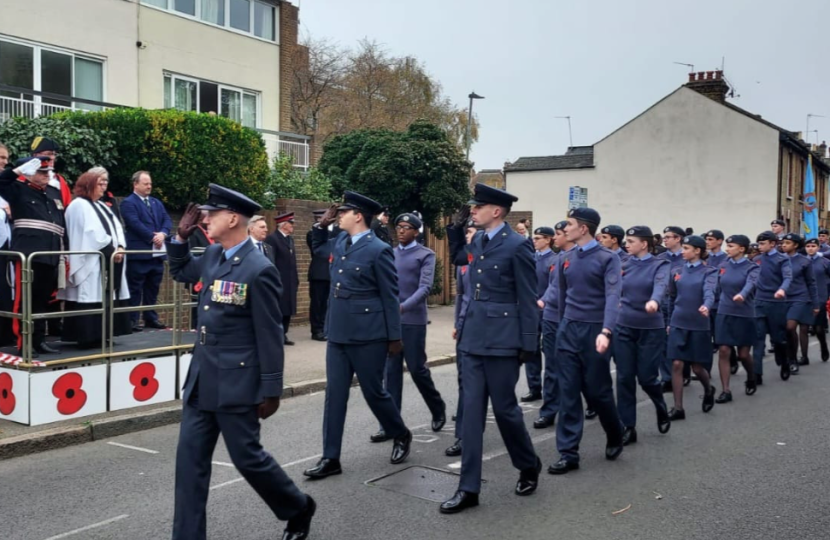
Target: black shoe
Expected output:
[544,422]
[759,380]
[288,342]
[34,353]
[733,369]
[529,479]
[454,450]
[43,348]
[298,526]
[613,451]
[154,324]
[751,387]
[724,397]
[590,414]
[785,370]
[563,466]
[629,436]
[667,388]
[438,422]
[454,418]
[804,361]
[324,468]
[319,337]
[677,414]
[825,354]
[663,420]
[380,436]
[771,350]
[459,502]
[709,399]
[687,381]
[137,329]
[531,396]
[400,450]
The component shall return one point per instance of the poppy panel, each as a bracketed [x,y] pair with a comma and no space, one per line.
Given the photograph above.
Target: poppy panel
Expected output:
[71,393]
[14,395]
[142,382]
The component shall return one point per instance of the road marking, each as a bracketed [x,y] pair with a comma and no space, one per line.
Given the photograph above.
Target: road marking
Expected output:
[89,527]
[138,448]
[223,464]
[237,480]
[493,455]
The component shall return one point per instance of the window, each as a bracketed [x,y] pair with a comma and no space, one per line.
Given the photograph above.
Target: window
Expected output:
[188,94]
[17,66]
[264,21]
[89,82]
[213,11]
[790,167]
[188,7]
[241,15]
[158,3]
[254,17]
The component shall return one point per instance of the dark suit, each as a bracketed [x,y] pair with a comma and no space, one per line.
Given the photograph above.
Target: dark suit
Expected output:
[319,282]
[267,250]
[285,259]
[144,272]
[237,363]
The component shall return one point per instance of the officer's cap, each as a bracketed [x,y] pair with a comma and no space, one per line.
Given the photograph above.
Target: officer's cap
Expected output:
[544,231]
[560,226]
[812,241]
[484,194]
[766,235]
[288,217]
[44,144]
[739,239]
[778,222]
[27,159]
[674,230]
[410,219]
[588,215]
[613,230]
[318,213]
[823,231]
[222,198]
[793,237]
[714,233]
[640,231]
[356,201]
[695,241]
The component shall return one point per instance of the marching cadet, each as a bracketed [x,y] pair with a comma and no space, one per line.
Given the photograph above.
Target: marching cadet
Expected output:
[415,265]
[589,297]
[821,271]
[824,238]
[771,304]
[802,299]
[364,326]
[236,375]
[285,259]
[498,333]
[542,242]
[735,325]
[550,324]
[672,237]
[640,335]
[611,237]
[319,282]
[690,340]
[753,251]
[779,228]
[717,258]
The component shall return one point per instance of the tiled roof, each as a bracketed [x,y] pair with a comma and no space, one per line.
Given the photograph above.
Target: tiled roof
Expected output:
[578,157]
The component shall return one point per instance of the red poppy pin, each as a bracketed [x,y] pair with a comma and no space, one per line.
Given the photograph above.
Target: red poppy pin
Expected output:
[7,399]
[67,389]
[551,268]
[143,378]
[677,277]
[198,286]
[331,258]
[469,258]
[722,271]
[567,264]
[464,270]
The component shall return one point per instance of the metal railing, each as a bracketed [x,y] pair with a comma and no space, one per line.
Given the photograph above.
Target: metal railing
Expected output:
[296,146]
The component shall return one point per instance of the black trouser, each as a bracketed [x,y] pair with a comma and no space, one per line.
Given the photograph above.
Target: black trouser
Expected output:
[6,303]
[319,293]
[44,281]
[286,322]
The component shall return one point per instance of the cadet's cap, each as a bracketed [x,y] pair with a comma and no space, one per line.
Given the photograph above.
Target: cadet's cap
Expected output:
[356,201]
[793,237]
[739,239]
[560,226]
[222,198]
[714,233]
[613,230]
[695,241]
[753,245]
[812,241]
[544,231]
[318,213]
[766,235]
[27,159]
[674,230]
[823,231]
[640,231]
[288,217]
[588,215]
[778,222]
[410,219]
[44,144]
[484,194]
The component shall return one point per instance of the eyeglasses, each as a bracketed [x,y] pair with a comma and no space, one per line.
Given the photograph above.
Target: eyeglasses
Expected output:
[404,228]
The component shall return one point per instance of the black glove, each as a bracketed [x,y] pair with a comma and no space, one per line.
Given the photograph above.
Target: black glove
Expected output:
[190,220]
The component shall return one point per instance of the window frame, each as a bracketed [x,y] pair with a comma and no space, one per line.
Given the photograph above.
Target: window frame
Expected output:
[227,26]
[220,86]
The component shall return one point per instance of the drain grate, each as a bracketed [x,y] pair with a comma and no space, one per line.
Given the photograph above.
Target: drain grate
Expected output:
[426,483]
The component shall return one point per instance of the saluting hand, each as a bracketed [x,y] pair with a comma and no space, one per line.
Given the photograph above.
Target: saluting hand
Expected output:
[268,407]
[652,306]
[329,217]
[190,220]
[738,298]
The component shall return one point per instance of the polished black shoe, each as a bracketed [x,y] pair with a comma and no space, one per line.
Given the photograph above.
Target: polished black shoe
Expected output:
[459,502]
[531,396]
[590,414]
[299,526]
[750,387]
[529,479]
[563,466]
[319,337]
[667,388]
[677,414]
[137,329]
[803,361]
[724,397]
[709,399]
[454,418]
[785,370]
[438,422]
[687,381]
[629,436]
[325,467]
[759,380]
[825,354]
[663,420]
[613,451]
[733,369]
[380,436]
[289,342]
[544,422]
[34,353]
[43,348]
[400,450]
[155,325]
[454,450]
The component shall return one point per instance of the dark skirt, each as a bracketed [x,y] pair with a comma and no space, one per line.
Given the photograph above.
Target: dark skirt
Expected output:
[690,346]
[735,331]
[801,312]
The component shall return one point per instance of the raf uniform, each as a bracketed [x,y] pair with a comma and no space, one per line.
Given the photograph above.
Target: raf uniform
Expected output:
[237,364]
[533,367]
[285,259]
[319,282]
[675,259]
[619,233]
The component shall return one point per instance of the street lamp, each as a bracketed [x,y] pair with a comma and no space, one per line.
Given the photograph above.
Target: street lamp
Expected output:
[472,96]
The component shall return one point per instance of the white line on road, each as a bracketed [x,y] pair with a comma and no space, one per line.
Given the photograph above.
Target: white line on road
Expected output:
[222,463]
[146,450]
[89,527]
[237,480]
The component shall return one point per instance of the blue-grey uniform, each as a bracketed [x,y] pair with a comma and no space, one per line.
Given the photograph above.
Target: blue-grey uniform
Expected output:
[821,272]
[456,239]
[690,337]
[770,312]
[533,366]
[715,259]
[675,259]
[237,363]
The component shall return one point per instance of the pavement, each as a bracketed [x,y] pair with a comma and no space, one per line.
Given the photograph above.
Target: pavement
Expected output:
[754,468]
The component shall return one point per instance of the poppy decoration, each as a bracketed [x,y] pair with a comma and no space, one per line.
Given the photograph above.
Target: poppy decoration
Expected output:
[7,399]
[677,277]
[198,286]
[71,398]
[143,378]
[464,270]
[551,268]
[722,271]
[331,258]
[469,258]
[567,264]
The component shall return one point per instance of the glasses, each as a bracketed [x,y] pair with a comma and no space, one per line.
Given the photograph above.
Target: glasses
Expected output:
[404,228]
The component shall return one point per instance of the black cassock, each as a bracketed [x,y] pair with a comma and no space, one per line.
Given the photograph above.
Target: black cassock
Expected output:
[285,259]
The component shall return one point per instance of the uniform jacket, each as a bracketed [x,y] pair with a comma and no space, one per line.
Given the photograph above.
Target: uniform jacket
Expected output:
[381,231]
[462,294]
[416,269]
[363,298]
[140,223]
[238,358]
[285,258]
[318,270]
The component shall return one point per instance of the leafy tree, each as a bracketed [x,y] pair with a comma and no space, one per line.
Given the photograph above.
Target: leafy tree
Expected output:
[287,182]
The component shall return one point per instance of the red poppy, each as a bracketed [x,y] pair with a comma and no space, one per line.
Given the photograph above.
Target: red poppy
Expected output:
[551,268]
[67,389]
[143,377]
[722,271]
[469,258]
[464,270]
[331,258]
[7,399]
[567,264]
[677,277]
[198,286]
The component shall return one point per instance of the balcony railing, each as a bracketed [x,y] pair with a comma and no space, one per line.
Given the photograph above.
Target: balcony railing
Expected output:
[289,144]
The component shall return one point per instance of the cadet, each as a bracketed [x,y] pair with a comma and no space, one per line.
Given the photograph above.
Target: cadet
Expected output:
[236,375]
[802,299]
[771,304]
[717,258]
[589,297]
[824,238]
[364,326]
[821,271]
[640,336]
[735,324]
[672,237]
[415,265]
[690,340]
[319,282]
[778,227]
[611,237]
[499,331]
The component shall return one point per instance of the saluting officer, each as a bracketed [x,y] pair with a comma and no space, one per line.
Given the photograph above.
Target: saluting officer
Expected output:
[285,259]
[236,375]
[319,282]
[498,332]
[364,325]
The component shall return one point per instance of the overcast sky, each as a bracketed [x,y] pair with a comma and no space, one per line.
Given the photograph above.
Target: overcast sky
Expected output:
[601,62]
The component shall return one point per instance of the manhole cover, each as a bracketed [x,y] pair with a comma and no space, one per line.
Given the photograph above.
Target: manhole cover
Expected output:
[425,483]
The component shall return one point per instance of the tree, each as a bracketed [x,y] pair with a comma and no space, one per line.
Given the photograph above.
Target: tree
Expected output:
[287,182]
[418,169]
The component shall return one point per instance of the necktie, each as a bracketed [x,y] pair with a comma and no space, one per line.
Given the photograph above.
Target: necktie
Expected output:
[259,247]
[485,240]
[222,259]
[348,242]
[147,202]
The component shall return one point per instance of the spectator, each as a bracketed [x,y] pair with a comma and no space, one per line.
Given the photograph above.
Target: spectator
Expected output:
[4,156]
[108,198]
[6,274]
[147,225]
[47,150]
[258,231]
[285,257]
[380,226]
[92,226]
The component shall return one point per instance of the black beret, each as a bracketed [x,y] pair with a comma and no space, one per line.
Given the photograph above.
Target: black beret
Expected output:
[319,213]
[714,233]
[588,215]
[767,235]
[411,219]
[560,226]
[640,231]
[793,237]
[544,231]
[695,241]
[356,201]
[484,194]
[778,222]
[753,245]
[823,231]
[674,230]
[812,241]
[739,239]
[613,230]
[222,198]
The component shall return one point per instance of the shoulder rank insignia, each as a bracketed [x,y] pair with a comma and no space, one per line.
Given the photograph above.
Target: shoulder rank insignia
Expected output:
[228,292]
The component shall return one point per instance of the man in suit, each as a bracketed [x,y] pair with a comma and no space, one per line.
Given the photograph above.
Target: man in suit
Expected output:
[236,375]
[499,332]
[364,325]
[258,231]
[318,284]
[146,226]
[285,258]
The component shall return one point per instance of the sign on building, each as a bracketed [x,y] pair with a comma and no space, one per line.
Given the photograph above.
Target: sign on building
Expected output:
[577,197]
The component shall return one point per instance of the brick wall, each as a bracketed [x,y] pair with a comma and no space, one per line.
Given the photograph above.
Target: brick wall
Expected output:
[289,22]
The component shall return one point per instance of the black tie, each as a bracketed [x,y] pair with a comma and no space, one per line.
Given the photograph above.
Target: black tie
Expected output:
[259,246]
[222,259]
[348,242]
[485,240]
[147,202]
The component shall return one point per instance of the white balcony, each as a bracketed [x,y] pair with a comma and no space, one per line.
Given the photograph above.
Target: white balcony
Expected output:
[35,106]
[284,143]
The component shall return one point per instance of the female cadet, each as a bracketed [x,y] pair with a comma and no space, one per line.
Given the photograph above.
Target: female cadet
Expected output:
[690,339]
[821,271]
[640,336]
[802,299]
[735,320]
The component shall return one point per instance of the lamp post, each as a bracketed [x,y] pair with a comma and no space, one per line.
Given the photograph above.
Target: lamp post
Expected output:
[472,96]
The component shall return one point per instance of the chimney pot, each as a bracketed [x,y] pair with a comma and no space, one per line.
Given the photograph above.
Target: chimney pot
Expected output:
[701,75]
[710,75]
[691,77]
[719,74]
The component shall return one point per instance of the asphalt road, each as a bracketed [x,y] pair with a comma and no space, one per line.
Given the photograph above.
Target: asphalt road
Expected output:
[756,468]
